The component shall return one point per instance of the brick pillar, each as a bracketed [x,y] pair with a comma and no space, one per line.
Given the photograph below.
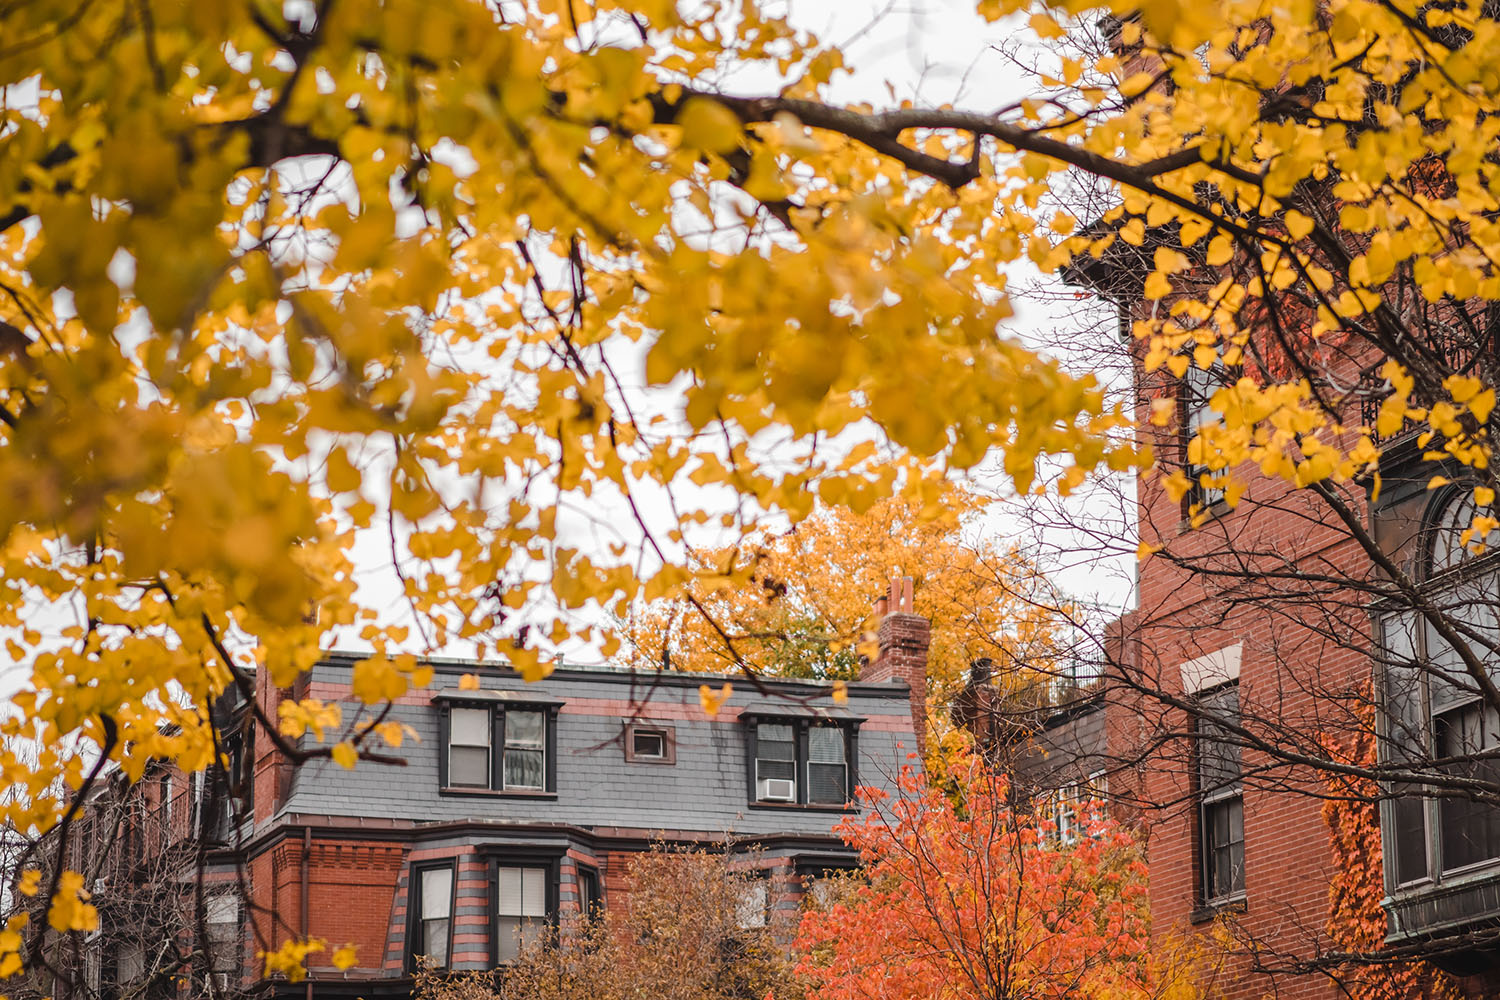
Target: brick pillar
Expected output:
[903,637]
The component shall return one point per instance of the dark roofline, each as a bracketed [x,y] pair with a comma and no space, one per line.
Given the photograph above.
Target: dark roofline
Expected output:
[895,689]
[1075,710]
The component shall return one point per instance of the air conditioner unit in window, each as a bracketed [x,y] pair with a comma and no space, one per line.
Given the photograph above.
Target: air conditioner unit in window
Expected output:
[777,790]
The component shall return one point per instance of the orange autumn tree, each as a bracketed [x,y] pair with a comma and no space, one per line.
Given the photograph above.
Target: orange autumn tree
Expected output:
[809,604]
[979,900]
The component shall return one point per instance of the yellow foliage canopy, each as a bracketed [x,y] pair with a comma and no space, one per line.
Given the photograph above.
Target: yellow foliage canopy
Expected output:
[462,273]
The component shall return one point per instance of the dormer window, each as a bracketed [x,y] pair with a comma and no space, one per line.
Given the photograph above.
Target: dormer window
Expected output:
[498,742]
[802,761]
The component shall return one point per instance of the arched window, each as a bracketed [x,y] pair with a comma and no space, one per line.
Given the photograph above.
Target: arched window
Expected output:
[1447,545]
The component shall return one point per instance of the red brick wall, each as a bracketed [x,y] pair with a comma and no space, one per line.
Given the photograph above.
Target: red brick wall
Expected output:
[1296,657]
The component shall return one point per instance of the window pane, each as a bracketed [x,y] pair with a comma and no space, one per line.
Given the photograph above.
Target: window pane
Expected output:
[1406,715]
[508,938]
[780,769]
[469,727]
[522,910]
[825,745]
[775,742]
[826,783]
[533,892]
[221,910]
[437,892]
[523,892]
[588,893]
[130,962]
[1218,756]
[1409,819]
[523,768]
[648,743]
[469,766]
[524,729]
[509,894]
[1224,848]
[222,914]
[435,941]
[1470,831]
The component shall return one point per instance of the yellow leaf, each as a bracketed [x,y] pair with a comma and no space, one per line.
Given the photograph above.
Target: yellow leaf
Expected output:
[1220,249]
[707,124]
[344,755]
[30,881]
[1298,225]
[840,692]
[1482,405]
[1046,26]
[712,700]
[344,958]
[530,665]
[342,476]
[1437,481]
[468,682]
[1462,387]
[1484,496]
[1145,549]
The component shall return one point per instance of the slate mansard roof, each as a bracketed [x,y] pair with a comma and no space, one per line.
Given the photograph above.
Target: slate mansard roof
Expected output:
[706,790]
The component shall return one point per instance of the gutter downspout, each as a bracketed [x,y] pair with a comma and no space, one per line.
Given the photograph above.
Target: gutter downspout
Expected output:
[306,896]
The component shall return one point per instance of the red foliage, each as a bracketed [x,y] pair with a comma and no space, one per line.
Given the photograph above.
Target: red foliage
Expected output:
[977,901]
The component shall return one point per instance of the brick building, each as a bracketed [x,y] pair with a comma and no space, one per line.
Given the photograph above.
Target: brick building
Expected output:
[517,805]
[1265,633]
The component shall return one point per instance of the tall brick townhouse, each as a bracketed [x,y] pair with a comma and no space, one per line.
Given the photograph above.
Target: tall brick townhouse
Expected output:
[516,805]
[1269,632]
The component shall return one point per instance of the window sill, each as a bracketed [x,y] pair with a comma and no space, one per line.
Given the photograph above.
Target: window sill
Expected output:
[494,793]
[1205,912]
[805,807]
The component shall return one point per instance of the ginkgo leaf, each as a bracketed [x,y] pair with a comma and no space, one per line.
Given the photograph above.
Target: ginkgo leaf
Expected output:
[708,125]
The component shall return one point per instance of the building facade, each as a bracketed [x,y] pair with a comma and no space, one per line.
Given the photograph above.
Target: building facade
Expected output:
[1280,640]
[512,807]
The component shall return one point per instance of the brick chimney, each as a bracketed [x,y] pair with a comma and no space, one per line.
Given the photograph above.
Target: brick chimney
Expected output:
[903,637]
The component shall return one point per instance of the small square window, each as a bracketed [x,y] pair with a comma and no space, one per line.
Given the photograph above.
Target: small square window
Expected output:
[650,743]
